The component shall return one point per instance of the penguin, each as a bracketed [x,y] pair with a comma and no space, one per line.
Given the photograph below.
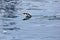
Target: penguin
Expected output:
[27,16]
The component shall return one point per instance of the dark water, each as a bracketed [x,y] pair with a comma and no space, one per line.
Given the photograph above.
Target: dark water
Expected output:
[43,25]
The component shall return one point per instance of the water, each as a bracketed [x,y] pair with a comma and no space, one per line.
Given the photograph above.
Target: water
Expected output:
[43,25]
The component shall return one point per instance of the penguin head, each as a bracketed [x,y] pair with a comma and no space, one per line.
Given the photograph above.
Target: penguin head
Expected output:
[27,16]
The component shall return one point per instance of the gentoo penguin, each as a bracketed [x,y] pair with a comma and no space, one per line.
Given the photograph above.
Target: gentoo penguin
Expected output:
[27,16]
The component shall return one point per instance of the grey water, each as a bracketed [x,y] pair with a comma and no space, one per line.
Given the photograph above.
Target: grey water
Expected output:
[43,25]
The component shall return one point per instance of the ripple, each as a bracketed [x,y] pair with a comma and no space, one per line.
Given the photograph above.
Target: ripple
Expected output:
[14,28]
[57,17]
[34,9]
[12,23]
[4,19]
[56,1]
[38,0]
[5,25]
[52,17]
[7,0]
[10,16]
